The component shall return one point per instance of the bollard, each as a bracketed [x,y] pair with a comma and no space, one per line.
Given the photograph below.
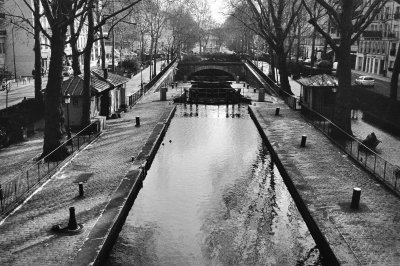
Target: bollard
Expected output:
[355,200]
[138,121]
[80,189]
[303,141]
[277,111]
[72,224]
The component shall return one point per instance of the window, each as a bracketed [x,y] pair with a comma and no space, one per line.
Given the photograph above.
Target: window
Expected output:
[2,50]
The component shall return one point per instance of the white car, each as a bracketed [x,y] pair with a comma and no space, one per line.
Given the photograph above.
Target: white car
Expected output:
[365,81]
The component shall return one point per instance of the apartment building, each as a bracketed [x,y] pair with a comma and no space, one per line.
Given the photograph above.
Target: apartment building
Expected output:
[378,45]
[17,44]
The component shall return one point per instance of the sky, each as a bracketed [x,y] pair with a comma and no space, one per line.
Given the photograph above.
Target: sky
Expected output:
[217,9]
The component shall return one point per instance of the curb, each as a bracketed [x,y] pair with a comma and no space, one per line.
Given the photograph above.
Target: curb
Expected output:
[316,233]
[103,235]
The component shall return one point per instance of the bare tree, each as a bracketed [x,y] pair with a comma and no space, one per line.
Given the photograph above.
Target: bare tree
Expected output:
[351,18]
[274,21]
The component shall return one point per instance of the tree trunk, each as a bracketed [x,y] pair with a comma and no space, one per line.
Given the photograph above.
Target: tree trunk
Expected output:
[38,56]
[86,65]
[342,106]
[155,57]
[395,76]
[271,73]
[75,53]
[283,73]
[313,55]
[54,117]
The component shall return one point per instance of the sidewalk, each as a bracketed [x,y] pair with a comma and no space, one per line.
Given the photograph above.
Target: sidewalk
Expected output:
[324,178]
[26,235]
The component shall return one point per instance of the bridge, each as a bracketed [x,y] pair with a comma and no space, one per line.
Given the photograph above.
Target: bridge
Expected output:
[222,71]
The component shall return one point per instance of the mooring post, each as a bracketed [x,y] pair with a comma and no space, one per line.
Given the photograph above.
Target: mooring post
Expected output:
[72,224]
[303,141]
[81,193]
[355,200]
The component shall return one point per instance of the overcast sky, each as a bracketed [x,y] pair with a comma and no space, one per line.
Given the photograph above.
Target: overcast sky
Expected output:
[217,9]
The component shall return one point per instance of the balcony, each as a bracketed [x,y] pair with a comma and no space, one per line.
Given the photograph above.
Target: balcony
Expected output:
[372,34]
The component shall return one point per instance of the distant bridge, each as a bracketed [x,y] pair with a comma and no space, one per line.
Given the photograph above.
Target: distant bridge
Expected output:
[221,70]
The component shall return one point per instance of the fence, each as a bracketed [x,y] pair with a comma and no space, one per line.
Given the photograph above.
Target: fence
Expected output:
[132,99]
[291,100]
[16,190]
[385,171]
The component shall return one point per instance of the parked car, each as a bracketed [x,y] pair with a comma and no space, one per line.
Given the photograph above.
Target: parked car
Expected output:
[67,71]
[365,81]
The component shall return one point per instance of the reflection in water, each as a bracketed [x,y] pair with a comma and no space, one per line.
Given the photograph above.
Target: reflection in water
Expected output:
[213,197]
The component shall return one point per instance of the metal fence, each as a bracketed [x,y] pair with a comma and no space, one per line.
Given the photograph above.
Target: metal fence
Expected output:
[15,191]
[385,171]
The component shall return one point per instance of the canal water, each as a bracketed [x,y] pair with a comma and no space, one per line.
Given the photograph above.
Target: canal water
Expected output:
[213,197]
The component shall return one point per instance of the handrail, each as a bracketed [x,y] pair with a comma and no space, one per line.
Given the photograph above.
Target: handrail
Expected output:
[18,188]
[383,170]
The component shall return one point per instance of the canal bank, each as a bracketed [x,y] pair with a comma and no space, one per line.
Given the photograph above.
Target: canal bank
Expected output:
[321,179]
[102,167]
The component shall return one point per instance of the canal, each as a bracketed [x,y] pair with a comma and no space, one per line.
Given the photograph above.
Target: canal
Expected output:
[213,197]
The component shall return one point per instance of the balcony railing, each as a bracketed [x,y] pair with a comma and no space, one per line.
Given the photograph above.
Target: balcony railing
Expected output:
[372,34]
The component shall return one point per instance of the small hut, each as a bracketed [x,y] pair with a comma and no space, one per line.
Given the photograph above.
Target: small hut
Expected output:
[318,93]
[107,95]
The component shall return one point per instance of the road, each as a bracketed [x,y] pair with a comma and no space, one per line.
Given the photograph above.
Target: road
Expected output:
[18,91]
[382,86]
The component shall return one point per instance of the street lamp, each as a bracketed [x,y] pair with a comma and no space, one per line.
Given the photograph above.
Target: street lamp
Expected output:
[141,78]
[67,100]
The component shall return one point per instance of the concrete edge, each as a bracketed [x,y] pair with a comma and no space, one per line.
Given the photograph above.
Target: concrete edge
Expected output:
[316,233]
[104,233]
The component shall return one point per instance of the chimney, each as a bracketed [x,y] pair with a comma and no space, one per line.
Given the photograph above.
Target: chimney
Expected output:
[105,71]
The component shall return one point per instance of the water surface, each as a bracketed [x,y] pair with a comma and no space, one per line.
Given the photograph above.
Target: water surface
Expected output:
[213,197]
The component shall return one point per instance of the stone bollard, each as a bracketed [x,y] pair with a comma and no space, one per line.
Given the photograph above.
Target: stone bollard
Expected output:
[81,193]
[163,94]
[72,224]
[138,121]
[261,95]
[303,141]
[277,111]
[355,200]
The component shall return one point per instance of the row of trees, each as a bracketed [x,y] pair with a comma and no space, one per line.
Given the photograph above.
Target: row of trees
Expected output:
[182,24]
[279,23]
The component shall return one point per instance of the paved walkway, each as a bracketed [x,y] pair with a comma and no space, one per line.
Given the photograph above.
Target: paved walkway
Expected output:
[325,177]
[26,236]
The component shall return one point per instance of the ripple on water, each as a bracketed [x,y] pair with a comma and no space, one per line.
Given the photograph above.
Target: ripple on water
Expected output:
[213,197]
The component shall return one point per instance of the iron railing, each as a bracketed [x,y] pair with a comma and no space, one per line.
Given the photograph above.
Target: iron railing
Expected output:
[18,188]
[383,170]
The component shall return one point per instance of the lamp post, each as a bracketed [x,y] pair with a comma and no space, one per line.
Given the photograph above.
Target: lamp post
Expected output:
[334,90]
[67,100]
[141,78]
[13,46]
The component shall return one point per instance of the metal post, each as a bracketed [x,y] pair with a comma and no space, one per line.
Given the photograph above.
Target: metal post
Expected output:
[138,121]
[15,67]
[355,200]
[303,141]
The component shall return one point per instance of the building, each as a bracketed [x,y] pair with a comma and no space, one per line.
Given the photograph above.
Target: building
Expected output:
[379,43]
[17,44]
[107,96]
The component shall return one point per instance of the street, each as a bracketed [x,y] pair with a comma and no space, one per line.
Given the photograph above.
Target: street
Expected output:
[18,91]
